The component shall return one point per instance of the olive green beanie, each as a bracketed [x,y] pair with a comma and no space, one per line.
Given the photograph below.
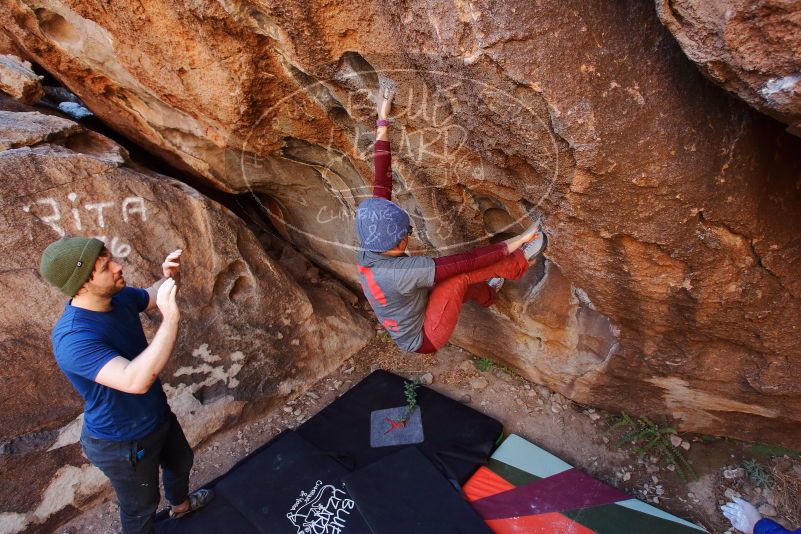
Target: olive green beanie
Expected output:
[68,263]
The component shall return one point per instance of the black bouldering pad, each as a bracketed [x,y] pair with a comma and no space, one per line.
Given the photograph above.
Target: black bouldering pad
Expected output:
[286,486]
[404,493]
[456,438]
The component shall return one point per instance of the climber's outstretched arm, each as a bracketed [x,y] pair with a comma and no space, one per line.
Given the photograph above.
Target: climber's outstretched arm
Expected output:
[382,157]
[382,186]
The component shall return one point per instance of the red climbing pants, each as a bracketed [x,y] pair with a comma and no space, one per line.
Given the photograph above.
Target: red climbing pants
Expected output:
[446,298]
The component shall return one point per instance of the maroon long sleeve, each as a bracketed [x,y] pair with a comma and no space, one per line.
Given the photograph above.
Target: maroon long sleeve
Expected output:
[382,160]
[447,266]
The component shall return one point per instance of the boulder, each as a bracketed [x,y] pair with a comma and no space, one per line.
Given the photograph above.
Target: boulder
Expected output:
[750,48]
[250,335]
[18,80]
[31,128]
[671,286]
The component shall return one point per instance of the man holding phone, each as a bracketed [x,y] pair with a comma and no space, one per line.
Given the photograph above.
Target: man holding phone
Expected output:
[99,344]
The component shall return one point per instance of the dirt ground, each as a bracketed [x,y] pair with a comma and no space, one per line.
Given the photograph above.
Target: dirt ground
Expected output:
[581,436]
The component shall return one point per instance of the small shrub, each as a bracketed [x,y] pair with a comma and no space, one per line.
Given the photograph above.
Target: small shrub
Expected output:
[484,364]
[410,392]
[757,474]
[650,437]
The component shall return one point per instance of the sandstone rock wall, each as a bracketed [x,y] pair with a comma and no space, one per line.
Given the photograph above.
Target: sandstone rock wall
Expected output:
[672,283]
[250,335]
[751,48]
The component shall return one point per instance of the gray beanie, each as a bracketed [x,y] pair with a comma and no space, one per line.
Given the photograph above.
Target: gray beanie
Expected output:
[380,224]
[68,263]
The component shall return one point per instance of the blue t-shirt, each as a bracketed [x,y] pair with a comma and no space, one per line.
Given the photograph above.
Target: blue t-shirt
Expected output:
[84,341]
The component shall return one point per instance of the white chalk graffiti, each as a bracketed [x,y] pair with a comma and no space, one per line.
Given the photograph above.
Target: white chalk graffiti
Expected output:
[52,219]
[127,210]
[48,210]
[214,372]
[114,245]
[99,206]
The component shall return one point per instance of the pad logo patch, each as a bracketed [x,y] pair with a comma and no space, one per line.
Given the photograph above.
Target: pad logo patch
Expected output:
[322,510]
[387,427]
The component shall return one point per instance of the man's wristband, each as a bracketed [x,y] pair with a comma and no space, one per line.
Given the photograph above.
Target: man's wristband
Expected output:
[382,122]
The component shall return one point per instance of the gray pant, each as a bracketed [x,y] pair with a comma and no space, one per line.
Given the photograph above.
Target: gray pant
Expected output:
[133,468]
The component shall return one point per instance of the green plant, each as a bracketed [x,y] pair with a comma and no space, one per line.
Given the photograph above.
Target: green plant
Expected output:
[484,364]
[650,437]
[410,392]
[756,473]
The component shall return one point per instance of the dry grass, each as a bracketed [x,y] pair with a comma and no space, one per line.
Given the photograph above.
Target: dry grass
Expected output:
[787,488]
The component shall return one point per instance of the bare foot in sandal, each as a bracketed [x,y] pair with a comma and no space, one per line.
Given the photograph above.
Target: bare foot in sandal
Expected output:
[196,500]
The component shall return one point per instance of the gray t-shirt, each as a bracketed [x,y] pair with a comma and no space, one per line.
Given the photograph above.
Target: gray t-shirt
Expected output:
[397,289]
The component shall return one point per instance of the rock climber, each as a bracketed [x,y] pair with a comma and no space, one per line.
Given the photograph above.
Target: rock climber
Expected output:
[98,342]
[418,298]
[746,518]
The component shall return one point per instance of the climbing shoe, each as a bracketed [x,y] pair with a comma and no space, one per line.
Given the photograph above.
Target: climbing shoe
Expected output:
[537,245]
[197,499]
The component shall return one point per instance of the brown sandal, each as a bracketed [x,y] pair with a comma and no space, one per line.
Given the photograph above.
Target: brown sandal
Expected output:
[197,499]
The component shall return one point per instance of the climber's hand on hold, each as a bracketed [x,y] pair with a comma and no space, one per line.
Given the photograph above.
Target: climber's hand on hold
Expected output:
[386,92]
